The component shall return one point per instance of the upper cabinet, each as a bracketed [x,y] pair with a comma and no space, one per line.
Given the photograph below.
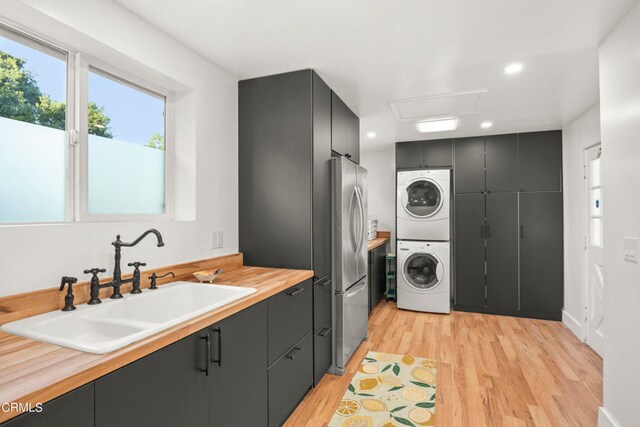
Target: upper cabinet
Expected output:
[345,130]
[469,165]
[502,163]
[424,154]
[540,161]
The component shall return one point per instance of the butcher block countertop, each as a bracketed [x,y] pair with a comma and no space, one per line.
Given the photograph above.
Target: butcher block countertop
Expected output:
[383,238]
[33,371]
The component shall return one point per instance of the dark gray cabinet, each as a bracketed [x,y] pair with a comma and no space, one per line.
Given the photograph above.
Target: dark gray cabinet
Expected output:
[502,163]
[502,252]
[470,250]
[345,130]
[469,165]
[290,378]
[322,352]
[424,154]
[541,251]
[508,224]
[540,161]
[377,275]
[74,409]
[238,392]
[290,318]
[165,388]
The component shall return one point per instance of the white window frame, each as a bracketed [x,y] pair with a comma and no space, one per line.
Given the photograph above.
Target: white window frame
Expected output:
[78,66]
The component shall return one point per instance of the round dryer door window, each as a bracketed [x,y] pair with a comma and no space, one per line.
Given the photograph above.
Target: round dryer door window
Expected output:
[422,198]
[422,271]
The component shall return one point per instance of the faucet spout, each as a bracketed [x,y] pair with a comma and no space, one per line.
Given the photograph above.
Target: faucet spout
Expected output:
[119,243]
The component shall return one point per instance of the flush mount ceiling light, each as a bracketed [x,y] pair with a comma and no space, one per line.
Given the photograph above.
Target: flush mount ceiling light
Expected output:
[437,125]
[486,125]
[513,68]
[371,134]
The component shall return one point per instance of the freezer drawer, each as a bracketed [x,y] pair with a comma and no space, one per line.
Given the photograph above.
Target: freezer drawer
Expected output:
[351,322]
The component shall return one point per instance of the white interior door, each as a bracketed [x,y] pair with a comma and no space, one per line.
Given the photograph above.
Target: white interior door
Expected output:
[595,250]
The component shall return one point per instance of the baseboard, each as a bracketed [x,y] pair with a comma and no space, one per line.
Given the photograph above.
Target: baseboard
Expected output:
[574,325]
[605,419]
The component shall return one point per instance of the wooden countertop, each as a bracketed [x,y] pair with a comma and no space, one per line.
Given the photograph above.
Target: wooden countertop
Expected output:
[32,371]
[383,238]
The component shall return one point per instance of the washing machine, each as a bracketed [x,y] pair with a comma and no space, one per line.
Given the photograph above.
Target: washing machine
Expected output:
[423,204]
[423,276]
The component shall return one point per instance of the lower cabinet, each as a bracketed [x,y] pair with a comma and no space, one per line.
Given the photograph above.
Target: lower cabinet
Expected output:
[166,388]
[377,275]
[290,378]
[238,376]
[74,409]
[322,352]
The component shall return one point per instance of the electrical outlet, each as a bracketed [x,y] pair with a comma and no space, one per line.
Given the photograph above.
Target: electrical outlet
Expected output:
[216,240]
[631,249]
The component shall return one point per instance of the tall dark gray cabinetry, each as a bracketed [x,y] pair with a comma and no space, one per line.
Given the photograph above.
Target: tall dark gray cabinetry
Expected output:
[288,125]
[508,224]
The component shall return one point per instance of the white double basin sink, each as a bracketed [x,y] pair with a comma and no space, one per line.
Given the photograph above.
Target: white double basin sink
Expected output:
[116,323]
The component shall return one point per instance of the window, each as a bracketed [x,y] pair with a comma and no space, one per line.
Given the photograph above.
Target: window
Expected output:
[126,151]
[98,152]
[33,144]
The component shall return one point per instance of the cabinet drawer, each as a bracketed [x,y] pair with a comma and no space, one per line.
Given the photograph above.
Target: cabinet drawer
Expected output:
[321,303]
[290,318]
[290,378]
[322,353]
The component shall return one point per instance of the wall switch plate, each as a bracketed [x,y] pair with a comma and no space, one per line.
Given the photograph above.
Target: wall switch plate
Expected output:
[631,249]
[216,241]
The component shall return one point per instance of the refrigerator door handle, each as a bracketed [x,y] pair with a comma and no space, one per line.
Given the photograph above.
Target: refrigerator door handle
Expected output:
[362,221]
[352,230]
[356,289]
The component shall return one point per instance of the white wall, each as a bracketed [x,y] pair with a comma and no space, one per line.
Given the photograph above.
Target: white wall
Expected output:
[580,134]
[620,114]
[34,257]
[381,168]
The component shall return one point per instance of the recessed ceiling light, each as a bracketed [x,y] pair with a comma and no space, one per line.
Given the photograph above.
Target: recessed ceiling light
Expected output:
[371,134]
[514,68]
[486,125]
[437,125]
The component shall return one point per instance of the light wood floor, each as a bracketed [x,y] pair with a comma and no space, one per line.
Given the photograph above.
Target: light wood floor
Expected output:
[492,370]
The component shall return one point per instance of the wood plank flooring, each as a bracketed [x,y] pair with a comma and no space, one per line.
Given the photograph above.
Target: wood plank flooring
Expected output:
[492,370]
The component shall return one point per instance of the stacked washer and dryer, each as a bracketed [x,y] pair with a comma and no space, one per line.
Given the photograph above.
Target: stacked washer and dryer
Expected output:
[423,236]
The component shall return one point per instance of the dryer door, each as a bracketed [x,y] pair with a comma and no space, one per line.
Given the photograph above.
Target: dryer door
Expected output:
[422,271]
[422,198]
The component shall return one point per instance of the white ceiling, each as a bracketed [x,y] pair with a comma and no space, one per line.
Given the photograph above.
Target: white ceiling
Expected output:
[372,52]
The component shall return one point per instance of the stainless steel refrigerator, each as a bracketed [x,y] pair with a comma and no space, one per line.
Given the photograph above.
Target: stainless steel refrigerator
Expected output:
[349,259]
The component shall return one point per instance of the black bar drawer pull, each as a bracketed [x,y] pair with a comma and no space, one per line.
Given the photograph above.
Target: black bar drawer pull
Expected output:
[323,333]
[207,354]
[293,353]
[522,231]
[296,292]
[488,231]
[219,360]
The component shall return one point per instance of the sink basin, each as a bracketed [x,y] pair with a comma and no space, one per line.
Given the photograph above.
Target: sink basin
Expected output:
[114,324]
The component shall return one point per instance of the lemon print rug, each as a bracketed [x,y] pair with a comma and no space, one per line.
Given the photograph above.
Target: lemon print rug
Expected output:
[389,390]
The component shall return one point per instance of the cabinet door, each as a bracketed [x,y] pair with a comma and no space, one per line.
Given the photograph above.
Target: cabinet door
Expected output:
[437,153]
[502,163]
[469,165]
[321,302]
[322,352]
[321,177]
[165,388]
[409,155]
[502,252]
[540,161]
[377,275]
[238,380]
[340,125]
[290,318]
[290,378]
[73,409]
[541,254]
[470,250]
[354,139]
